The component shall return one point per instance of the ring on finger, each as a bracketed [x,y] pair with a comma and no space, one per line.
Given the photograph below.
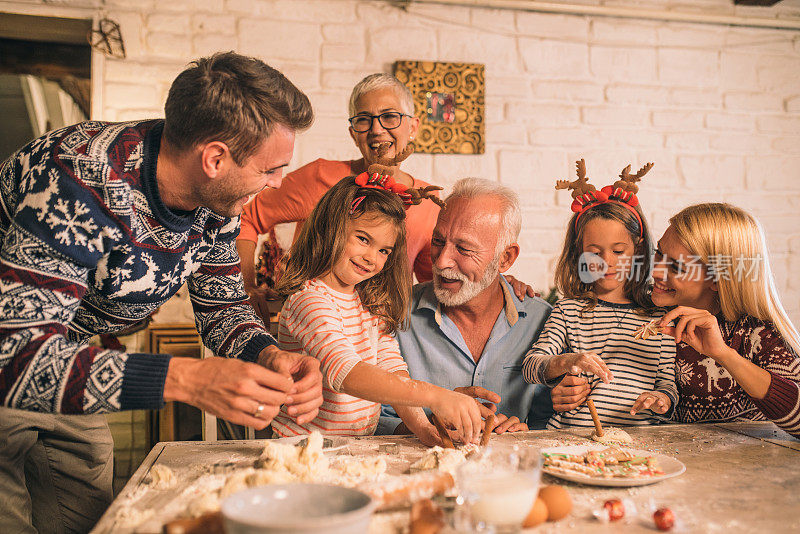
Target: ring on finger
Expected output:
[259,411]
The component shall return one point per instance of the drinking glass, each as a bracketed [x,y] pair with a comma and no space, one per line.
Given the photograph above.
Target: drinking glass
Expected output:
[497,489]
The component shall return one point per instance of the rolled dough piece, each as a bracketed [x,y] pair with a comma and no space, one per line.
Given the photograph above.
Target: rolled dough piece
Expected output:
[612,435]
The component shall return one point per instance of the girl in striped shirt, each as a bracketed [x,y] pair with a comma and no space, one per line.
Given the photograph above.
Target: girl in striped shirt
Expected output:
[603,274]
[349,286]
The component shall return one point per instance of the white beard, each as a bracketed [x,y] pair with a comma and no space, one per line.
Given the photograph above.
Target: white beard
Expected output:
[469,290]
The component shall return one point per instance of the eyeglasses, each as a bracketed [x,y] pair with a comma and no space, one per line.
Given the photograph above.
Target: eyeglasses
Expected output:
[389,120]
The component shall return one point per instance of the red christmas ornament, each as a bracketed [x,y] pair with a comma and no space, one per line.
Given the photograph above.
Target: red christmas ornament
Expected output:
[664,519]
[615,509]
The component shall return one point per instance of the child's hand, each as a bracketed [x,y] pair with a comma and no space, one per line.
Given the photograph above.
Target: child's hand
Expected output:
[654,401]
[460,413]
[427,434]
[583,362]
[416,422]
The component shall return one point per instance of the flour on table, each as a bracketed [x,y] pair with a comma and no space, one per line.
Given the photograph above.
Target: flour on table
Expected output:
[612,435]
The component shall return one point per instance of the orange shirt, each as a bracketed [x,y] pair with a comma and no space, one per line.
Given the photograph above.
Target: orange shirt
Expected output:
[301,190]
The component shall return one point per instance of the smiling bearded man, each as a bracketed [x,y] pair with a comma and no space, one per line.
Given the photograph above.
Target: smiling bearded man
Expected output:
[467,329]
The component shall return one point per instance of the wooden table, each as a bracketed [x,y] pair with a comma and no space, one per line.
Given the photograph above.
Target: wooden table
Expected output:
[740,477]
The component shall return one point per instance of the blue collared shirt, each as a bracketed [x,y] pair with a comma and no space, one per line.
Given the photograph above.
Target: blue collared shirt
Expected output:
[436,352]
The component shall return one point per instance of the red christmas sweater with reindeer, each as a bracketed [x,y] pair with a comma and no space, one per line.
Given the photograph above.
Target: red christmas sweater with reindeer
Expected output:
[709,393]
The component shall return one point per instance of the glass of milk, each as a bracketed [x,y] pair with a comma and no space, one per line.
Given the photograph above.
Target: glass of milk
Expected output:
[497,489]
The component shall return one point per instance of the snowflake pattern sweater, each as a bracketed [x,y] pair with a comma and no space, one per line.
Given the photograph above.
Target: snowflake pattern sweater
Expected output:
[709,393]
[88,247]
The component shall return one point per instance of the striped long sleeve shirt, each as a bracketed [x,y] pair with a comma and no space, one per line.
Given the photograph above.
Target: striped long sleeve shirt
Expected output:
[336,329]
[637,365]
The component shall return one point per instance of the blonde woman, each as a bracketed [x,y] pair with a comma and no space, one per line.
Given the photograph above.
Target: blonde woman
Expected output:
[737,351]
[737,355]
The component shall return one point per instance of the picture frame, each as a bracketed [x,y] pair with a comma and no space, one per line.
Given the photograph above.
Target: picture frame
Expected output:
[449,100]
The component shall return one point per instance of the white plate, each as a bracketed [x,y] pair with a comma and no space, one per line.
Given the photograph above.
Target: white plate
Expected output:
[669,465]
[329,443]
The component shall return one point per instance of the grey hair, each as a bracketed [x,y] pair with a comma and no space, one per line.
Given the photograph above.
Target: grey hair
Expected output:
[381,80]
[511,216]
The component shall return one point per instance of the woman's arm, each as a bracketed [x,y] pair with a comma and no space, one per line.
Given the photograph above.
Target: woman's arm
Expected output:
[700,330]
[774,388]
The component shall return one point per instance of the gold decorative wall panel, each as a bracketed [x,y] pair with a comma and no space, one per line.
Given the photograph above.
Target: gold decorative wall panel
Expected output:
[449,101]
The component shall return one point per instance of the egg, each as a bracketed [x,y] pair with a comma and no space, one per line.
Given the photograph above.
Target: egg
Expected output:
[557,501]
[537,515]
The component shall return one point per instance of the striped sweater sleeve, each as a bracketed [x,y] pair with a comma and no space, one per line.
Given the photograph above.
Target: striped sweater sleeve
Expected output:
[317,326]
[665,377]
[552,341]
[389,358]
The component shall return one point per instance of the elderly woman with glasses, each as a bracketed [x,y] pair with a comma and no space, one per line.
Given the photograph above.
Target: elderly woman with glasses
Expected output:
[381,115]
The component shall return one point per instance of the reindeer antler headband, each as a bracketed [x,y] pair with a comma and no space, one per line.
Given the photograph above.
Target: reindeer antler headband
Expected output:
[379,176]
[622,192]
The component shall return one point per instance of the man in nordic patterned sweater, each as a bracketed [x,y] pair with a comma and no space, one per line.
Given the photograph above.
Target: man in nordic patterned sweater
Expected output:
[102,223]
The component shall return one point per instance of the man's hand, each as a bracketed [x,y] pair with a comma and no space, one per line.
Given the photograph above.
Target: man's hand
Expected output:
[228,388]
[520,288]
[478,393]
[305,397]
[503,424]
[570,393]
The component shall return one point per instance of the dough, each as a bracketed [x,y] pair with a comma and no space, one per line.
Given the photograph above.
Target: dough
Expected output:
[306,462]
[362,468]
[612,435]
[281,463]
[445,460]
[236,481]
[162,477]
[206,502]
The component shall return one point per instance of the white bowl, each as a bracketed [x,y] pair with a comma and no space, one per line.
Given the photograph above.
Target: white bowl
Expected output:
[297,509]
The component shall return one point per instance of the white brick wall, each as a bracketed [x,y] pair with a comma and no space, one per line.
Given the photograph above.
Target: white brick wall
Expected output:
[717,108]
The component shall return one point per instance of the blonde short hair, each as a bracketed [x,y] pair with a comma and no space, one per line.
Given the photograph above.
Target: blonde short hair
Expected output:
[382,80]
